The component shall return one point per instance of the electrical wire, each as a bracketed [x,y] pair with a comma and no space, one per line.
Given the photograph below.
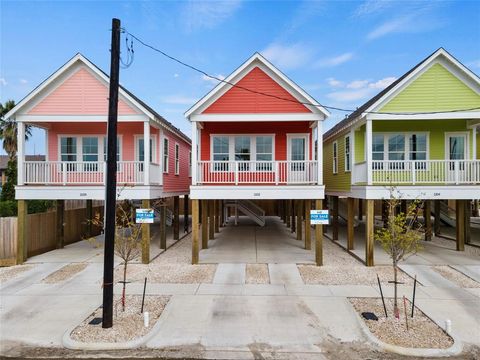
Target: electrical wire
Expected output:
[194,68]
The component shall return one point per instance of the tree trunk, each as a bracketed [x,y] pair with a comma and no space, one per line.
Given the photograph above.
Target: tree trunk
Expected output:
[395,302]
[124,284]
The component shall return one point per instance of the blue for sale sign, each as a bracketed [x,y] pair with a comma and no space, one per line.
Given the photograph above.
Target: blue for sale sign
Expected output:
[144,216]
[319,217]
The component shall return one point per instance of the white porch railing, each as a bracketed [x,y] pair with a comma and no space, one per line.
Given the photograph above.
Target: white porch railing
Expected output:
[428,172]
[86,172]
[257,172]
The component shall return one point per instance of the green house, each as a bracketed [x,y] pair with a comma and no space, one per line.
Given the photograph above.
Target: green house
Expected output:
[420,136]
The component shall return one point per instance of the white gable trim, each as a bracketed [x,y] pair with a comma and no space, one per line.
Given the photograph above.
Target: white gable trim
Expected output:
[64,69]
[256,60]
[440,56]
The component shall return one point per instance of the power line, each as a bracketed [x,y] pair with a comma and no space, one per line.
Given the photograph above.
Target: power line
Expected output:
[194,68]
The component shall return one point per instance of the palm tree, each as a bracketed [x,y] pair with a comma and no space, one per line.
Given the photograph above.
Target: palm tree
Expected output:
[8,130]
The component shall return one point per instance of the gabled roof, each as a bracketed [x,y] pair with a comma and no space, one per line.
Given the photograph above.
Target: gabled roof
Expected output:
[142,106]
[379,98]
[256,60]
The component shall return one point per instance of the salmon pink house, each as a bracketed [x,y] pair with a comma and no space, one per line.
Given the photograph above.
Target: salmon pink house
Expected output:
[255,136]
[153,156]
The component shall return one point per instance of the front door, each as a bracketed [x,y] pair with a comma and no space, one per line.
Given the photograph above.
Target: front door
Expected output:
[456,147]
[297,155]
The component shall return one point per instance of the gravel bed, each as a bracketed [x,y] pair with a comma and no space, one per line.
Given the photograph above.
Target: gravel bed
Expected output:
[127,325]
[451,244]
[257,274]
[64,273]
[422,331]
[172,266]
[11,272]
[456,276]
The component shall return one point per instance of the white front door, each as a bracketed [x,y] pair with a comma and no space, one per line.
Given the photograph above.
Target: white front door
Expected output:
[297,154]
[456,149]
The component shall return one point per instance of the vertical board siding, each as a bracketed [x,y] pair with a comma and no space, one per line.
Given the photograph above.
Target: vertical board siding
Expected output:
[436,89]
[181,182]
[8,241]
[280,131]
[41,232]
[237,100]
[80,94]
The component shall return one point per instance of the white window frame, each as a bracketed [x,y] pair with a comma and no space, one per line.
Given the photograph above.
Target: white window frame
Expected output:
[154,147]
[177,158]
[79,152]
[166,155]
[189,164]
[348,162]
[335,157]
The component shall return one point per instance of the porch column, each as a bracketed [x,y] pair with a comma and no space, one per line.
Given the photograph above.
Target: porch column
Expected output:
[221,211]
[146,152]
[205,224]
[211,219]
[194,154]
[294,220]
[163,227]
[288,212]
[195,231]
[468,214]
[318,238]
[145,236]
[369,232]
[474,143]
[299,211]
[89,216]
[308,228]
[350,223]
[216,209]
[427,215]
[20,152]
[368,144]
[185,213]
[21,231]
[60,220]
[436,210]
[176,217]
[460,210]
[319,153]
[335,218]
[360,209]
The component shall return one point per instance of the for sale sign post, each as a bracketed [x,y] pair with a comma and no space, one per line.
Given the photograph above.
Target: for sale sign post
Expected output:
[144,216]
[319,217]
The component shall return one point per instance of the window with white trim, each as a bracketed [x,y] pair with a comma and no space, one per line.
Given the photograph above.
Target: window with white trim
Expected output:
[177,159]
[220,153]
[264,153]
[165,155]
[335,157]
[398,148]
[190,164]
[68,149]
[90,153]
[378,149]
[348,160]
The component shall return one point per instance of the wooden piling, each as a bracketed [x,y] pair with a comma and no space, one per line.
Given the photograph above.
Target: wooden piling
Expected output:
[195,231]
[369,232]
[350,223]
[205,205]
[308,228]
[318,238]
[145,236]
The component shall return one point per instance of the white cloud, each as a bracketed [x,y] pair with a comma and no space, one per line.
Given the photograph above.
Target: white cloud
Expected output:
[392,26]
[178,100]
[211,80]
[207,14]
[370,7]
[360,90]
[3,81]
[287,56]
[23,81]
[176,75]
[335,60]
[334,82]
[474,64]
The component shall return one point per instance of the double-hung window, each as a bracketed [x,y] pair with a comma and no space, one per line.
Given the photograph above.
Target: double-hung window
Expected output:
[165,155]
[335,157]
[90,153]
[264,153]
[418,150]
[242,152]
[177,159]
[378,149]
[347,154]
[68,151]
[221,153]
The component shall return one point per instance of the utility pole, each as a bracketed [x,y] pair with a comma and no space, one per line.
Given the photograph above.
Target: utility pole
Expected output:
[111,183]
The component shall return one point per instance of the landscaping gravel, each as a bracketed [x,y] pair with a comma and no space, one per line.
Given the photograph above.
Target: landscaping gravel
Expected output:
[172,266]
[456,276]
[422,331]
[340,268]
[11,272]
[64,273]
[127,325]
[257,274]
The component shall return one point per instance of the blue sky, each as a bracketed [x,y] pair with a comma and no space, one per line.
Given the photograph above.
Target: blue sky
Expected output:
[341,52]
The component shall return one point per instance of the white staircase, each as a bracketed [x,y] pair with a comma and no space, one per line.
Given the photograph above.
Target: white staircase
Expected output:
[248,208]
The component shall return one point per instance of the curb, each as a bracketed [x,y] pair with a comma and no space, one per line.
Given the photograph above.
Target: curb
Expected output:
[71,344]
[455,349]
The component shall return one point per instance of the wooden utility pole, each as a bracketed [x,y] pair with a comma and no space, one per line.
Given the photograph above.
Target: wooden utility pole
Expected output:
[111,183]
